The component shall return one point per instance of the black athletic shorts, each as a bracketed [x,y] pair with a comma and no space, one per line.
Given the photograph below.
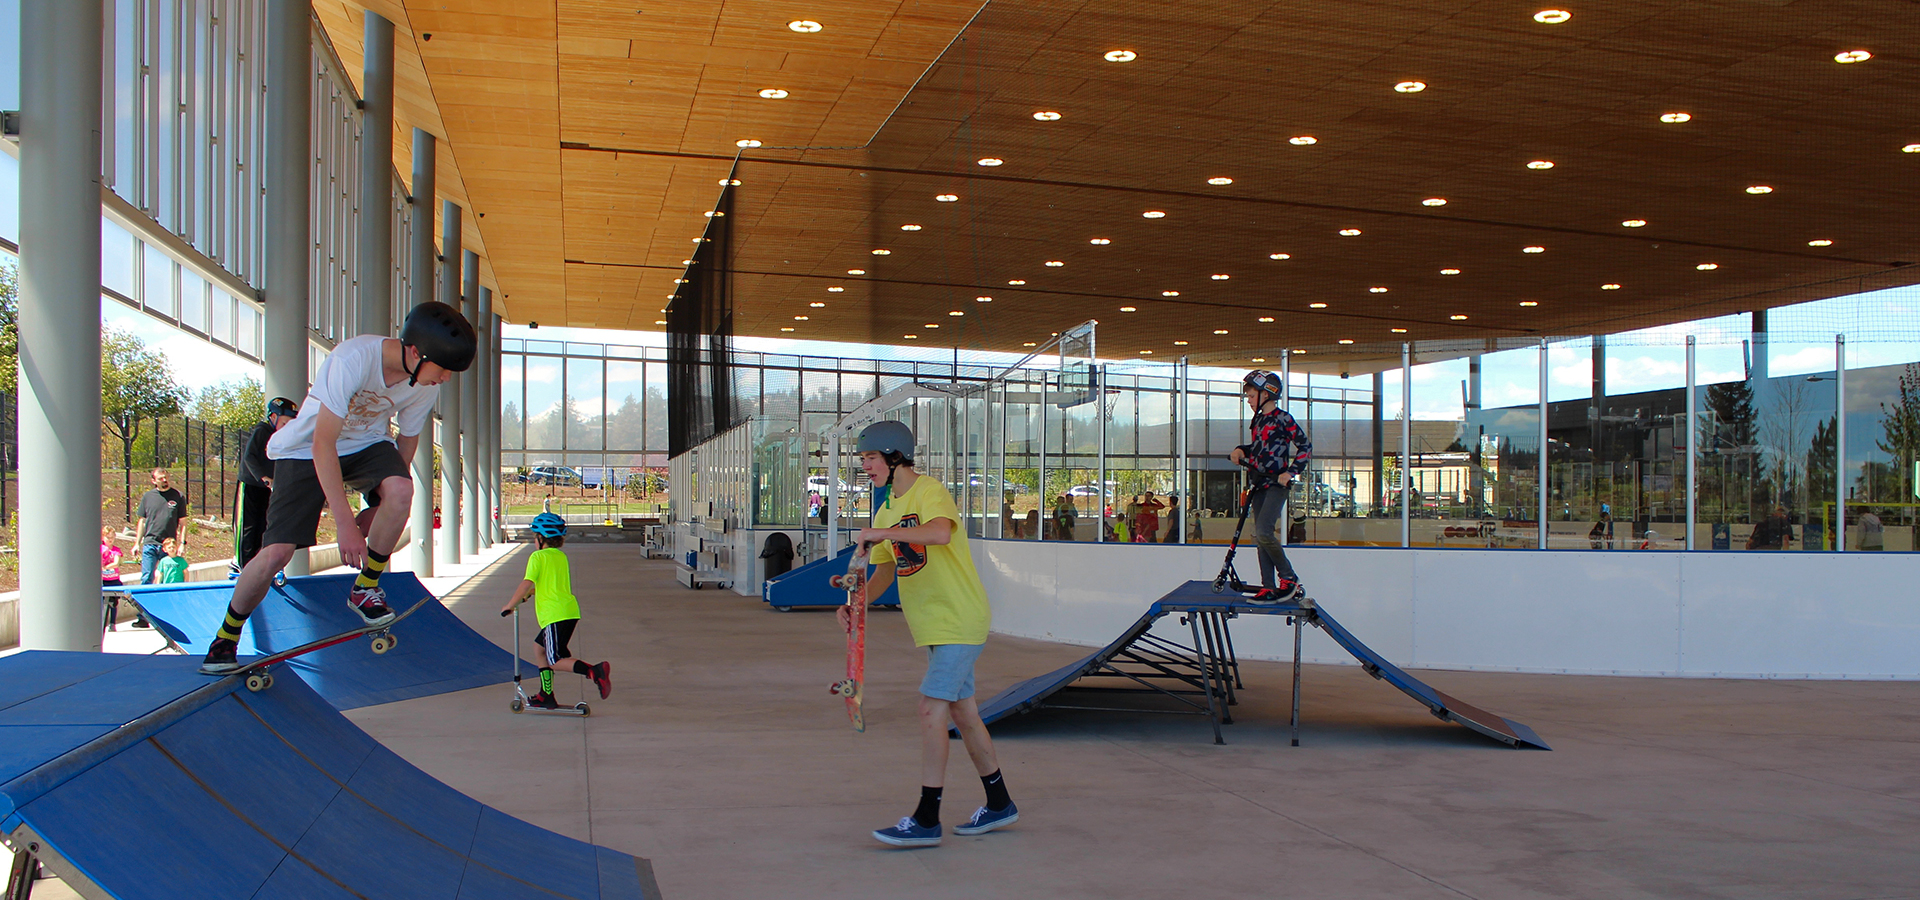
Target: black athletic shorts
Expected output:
[554,639]
[293,515]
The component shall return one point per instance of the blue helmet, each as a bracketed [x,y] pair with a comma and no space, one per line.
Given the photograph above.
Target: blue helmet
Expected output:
[548,525]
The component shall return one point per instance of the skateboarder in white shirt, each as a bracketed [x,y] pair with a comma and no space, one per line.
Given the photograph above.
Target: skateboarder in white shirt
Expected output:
[340,441]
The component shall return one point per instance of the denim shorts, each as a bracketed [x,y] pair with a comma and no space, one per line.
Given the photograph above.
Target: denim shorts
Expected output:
[950,671]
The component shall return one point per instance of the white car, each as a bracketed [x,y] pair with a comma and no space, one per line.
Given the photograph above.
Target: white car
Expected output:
[817,484]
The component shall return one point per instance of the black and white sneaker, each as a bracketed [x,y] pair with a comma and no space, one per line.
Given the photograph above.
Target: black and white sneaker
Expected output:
[220,657]
[371,604]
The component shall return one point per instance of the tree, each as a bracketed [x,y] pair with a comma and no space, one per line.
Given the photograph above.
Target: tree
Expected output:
[1900,429]
[135,384]
[9,327]
[237,404]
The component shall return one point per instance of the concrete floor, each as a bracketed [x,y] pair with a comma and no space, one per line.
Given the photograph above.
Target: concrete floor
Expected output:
[723,759]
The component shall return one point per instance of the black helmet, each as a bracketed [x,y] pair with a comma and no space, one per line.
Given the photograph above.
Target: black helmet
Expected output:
[444,337]
[1262,380]
[281,406]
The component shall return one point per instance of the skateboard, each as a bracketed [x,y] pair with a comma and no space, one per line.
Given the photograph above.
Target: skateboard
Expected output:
[849,688]
[521,702]
[259,679]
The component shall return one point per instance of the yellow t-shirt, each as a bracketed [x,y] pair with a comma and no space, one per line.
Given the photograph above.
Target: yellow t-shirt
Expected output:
[939,589]
[552,578]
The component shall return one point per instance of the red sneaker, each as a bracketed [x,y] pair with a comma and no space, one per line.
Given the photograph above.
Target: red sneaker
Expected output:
[603,679]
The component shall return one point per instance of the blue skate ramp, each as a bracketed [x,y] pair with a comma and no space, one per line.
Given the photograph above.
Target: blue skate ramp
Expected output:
[1198,597]
[190,786]
[436,653]
[807,585]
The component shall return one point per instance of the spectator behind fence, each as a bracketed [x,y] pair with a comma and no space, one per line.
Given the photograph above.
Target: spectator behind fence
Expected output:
[1873,534]
[173,569]
[161,511]
[1146,519]
[1032,528]
[1173,519]
[1772,534]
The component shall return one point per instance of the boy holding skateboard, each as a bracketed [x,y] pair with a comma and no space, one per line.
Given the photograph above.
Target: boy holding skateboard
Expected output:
[1277,452]
[340,440]
[549,582]
[917,536]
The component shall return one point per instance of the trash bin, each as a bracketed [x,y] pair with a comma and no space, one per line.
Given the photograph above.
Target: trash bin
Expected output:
[778,552]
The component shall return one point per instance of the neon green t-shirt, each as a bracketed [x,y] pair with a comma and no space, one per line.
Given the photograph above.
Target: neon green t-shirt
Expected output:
[940,591]
[552,578]
[172,570]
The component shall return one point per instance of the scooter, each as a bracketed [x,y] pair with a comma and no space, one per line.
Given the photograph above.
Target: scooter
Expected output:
[1228,577]
[520,702]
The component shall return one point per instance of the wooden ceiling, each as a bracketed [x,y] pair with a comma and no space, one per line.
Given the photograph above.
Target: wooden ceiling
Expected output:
[598,134]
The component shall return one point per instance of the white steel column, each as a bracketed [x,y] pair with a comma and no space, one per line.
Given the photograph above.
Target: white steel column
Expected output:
[469,414]
[1839,530]
[1406,445]
[1693,449]
[450,394]
[1543,444]
[289,168]
[420,249]
[374,256]
[484,424]
[499,483]
[59,324]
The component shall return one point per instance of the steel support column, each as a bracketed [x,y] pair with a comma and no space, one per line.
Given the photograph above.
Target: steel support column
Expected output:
[289,170]
[450,394]
[469,414]
[1406,445]
[374,255]
[1693,449]
[484,425]
[59,324]
[420,249]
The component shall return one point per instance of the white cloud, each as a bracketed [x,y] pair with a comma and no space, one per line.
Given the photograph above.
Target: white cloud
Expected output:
[196,363]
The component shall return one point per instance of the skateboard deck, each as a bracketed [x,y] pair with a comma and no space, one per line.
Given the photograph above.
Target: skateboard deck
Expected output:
[851,688]
[259,679]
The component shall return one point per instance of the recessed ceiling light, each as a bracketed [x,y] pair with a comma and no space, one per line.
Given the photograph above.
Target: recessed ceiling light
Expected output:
[1121,56]
[946,198]
[686,262]
[1179,343]
[1302,140]
[1910,148]
[1128,309]
[1529,303]
[1540,164]
[729,182]
[1279,256]
[1316,306]
[746,142]
[786,328]
[911,337]
[1099,242]
[1458,318]
[1296,352]
[931,325]
[1399,331]
[1031,344]
[1410,87]
[799,318]
[1376,289]
[679,281]
[983,299]
[659,321]
[1146,353]
[1852,56]
[1217,276]
[1055,263]
[1047,116]
[1153,214]
[883,252]
[1820,242]
[817,305]
[713,213]
[856,271]
[1169,293]
[1266,318]
[804,26]
[1220,179]
[1609,286]
[1434,201]
[1634,223]
[1759,189]
[1259,359]
[909,228]
[835,289]
[1707,267]
[1017,281]
[774,94]
[1449,271]
[1219,331]
[1533,249]
[1349,232]
[990,161]
[1346,340]
[1675,118]
[955,312]
[1552,16]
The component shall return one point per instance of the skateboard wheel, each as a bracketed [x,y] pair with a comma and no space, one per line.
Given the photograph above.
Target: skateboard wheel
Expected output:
[516,705]
[256,684]
[393,640]
[584,709]
[381,644]
[267,679]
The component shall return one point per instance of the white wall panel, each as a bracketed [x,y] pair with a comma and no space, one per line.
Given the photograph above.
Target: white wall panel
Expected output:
[1802,615]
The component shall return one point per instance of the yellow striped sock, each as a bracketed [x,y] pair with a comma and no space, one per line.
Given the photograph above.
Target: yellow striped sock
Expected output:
[230,630]
[370,573]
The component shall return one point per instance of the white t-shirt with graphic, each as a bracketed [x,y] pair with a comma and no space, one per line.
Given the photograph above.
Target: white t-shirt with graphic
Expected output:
[353,384]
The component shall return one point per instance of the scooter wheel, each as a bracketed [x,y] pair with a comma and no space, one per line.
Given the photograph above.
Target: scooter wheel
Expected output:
[516,705]
[584,709]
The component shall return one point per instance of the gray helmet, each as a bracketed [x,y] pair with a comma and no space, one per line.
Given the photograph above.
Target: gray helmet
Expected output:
[886,436]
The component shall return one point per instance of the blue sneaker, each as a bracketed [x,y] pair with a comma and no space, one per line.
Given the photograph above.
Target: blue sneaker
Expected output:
[908,833]
[985,820]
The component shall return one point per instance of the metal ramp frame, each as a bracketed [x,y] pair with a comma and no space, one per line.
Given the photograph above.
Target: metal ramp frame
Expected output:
[1209,668]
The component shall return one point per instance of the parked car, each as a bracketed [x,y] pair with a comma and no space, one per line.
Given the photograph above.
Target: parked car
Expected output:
[552,475]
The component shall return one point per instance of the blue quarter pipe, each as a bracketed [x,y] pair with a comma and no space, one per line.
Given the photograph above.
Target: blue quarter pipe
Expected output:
[437,653]
[1198,597]
[134,777]
[807,585]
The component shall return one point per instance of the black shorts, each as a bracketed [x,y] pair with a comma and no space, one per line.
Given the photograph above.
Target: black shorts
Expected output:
[554,639]
[293,515]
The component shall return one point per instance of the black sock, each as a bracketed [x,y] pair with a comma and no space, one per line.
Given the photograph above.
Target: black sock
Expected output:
[996,786]
[927,814]
[581,668]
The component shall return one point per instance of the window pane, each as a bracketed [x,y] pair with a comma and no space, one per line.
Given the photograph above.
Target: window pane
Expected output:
[160,284]
[585,403]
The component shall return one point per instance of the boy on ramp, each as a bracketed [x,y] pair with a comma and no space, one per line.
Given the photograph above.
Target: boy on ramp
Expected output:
[1277,453]
[340,441]
[549,583]
[918,537]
